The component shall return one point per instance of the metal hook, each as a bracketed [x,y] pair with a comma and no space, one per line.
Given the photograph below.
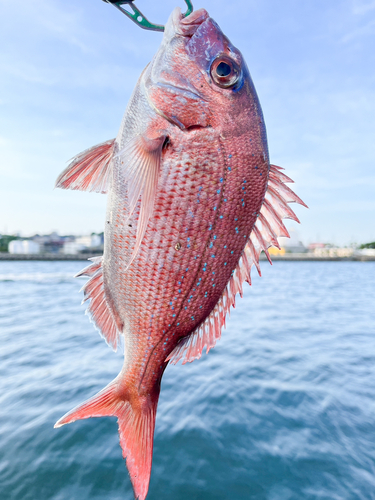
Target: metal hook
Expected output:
[137,16]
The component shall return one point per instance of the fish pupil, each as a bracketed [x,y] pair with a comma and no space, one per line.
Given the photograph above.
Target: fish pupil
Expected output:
[223,69]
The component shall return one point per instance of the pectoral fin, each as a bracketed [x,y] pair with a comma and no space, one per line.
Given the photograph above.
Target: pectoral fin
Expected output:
[89,171]
[140,163]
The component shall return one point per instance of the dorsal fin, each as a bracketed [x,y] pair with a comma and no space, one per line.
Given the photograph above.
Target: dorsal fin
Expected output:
[89,171]
[98,309]
[267,229]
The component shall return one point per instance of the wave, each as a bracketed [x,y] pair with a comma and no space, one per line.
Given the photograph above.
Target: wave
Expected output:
[37,277]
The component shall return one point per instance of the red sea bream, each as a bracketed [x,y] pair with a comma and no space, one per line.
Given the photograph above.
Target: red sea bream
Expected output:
[192,201]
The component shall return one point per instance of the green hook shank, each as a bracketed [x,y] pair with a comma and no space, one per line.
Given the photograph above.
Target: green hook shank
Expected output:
[137,16]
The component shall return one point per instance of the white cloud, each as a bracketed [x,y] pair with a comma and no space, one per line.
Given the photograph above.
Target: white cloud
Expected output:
[366,30]
[362,7]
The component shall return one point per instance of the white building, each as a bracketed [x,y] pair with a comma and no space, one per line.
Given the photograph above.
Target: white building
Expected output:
[72,248]
[23,247]
[82,243]
[91,241]
[292,244]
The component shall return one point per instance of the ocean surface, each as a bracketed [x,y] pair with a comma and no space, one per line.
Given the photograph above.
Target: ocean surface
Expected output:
[283,407]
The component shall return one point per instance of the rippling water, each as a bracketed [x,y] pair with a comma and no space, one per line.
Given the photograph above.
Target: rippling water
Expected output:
[282,408]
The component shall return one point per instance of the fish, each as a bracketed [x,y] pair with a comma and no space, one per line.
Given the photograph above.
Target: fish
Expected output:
[192,202]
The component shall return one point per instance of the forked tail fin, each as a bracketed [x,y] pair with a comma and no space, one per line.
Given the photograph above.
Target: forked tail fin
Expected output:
[136,420]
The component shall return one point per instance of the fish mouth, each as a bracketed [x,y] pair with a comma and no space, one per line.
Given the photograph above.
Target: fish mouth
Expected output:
[178,25]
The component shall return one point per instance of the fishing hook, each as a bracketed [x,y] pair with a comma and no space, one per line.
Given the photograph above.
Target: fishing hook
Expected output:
[137,16]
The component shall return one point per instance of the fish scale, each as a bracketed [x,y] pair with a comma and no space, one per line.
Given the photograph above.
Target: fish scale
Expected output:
[193,200]
[178,322]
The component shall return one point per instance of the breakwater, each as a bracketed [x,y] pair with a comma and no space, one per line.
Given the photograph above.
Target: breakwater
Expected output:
[288,257]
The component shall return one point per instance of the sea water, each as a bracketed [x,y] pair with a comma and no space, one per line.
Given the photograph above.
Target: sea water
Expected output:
[282,408]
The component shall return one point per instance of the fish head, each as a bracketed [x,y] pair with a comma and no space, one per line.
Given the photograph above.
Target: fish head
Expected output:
[198,77]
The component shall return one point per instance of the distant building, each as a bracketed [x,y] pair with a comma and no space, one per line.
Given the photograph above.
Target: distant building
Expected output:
[313,246]
[91,241]
[331,251]
[84,244]
[369,252]
[49,243]
[23,247]
[73,248]
[292,244]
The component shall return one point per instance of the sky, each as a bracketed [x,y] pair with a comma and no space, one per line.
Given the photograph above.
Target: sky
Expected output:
[67,69]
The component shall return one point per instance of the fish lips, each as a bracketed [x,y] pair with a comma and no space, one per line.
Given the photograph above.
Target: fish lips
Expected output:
[184,26]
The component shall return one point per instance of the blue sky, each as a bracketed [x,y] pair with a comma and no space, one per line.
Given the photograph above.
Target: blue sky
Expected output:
[67,69]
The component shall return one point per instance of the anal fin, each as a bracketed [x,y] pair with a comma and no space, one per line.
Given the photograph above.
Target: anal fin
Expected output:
[98,309]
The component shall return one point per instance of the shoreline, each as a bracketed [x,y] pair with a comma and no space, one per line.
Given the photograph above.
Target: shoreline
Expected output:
[292,257]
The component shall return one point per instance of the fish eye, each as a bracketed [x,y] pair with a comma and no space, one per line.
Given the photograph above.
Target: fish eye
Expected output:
[225,72]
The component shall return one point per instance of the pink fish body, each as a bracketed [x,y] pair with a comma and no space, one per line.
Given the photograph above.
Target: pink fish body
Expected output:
[193,200]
